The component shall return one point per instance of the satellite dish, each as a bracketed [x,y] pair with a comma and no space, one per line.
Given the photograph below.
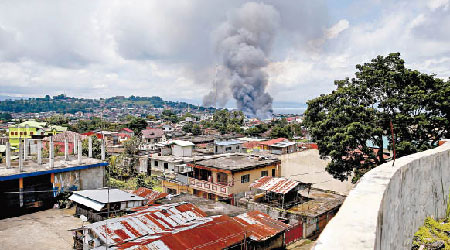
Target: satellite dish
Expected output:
[83,218]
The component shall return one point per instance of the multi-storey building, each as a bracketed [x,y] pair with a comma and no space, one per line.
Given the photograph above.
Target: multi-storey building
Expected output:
[224,177]
[31,129]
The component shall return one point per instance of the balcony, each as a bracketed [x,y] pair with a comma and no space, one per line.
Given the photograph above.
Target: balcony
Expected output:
[209,187]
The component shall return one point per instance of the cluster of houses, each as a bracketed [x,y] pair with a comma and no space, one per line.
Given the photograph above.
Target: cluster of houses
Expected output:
[228,188]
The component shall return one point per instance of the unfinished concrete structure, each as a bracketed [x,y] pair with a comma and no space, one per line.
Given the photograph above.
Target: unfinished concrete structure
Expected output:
[32,181]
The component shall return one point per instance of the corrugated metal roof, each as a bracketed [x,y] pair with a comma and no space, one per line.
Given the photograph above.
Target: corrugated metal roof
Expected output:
[149,194]
[105,196]
[221,232]
[151,221]
[283,144]
[181,143]
[217,233]
[273,141]
[259,226]
[97,206]
[273,184]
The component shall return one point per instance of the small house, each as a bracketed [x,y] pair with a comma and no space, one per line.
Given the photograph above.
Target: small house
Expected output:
[231,146]
[100,204]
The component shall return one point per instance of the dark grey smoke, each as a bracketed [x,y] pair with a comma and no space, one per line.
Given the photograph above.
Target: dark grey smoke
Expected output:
[243,42]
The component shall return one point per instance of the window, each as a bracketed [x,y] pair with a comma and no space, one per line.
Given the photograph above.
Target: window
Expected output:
[156,163]
[228,149]
[245,178]
[25,133]
[273,172]
[166,165]
[264,173]
[222,178]
[211,196]
[31,133]
[171,191]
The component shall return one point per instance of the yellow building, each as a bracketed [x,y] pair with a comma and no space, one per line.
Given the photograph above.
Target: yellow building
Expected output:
[31,129]
[224,177]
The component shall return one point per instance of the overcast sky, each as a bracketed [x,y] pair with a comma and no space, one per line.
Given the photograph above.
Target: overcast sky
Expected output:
[166,48]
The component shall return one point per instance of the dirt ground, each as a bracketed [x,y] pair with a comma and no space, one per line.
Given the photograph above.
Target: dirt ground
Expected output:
[301,245]
[41,230]
[306,166]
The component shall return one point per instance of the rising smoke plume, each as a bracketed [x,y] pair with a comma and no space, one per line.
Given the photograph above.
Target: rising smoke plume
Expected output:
[243,43]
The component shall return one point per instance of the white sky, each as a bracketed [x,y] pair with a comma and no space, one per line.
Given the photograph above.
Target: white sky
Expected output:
[165,48]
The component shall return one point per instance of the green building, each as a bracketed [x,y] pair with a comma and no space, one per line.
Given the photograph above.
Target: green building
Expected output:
[32,130]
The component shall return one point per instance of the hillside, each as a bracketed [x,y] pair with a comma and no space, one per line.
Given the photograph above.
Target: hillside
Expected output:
[64,104]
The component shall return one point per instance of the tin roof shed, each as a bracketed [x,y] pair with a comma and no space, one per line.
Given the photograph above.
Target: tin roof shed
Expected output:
[273,184]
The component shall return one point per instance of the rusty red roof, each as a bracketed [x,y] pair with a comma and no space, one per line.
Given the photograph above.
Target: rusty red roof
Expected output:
[273,141]
[149,194]
[127,130]
[151,221]
[274,184]
[183,226]
[217,233]
[259,226]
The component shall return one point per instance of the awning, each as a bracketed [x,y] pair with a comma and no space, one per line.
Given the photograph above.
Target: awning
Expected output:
[97,206]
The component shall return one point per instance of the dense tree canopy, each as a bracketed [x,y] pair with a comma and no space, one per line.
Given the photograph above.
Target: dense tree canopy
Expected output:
[362,109]
[96,123]
[226,121]
[58,120]
[282,129]
[137,124]
[190,127]
[169,115]
[63,104]
[5,116]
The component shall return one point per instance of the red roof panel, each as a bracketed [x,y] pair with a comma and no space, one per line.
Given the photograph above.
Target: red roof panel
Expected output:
[149,194]
[273,184]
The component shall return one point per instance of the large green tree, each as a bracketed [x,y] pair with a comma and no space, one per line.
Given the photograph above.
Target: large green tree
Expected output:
[137,124]
[384,91]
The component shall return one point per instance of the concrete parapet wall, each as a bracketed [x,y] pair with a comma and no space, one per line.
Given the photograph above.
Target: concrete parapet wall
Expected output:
[390,203]
[92,178]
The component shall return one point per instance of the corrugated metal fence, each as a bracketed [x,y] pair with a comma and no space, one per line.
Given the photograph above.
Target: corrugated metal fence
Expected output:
[294,233]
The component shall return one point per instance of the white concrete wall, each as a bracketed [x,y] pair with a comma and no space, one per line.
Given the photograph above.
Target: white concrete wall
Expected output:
[221,149]
[390,203]
[306,166]
[160,166]
[180,151]
[92,178]
[143,165]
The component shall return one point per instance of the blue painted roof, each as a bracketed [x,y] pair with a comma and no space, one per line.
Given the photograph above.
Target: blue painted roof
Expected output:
[56,170]
[227,143]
